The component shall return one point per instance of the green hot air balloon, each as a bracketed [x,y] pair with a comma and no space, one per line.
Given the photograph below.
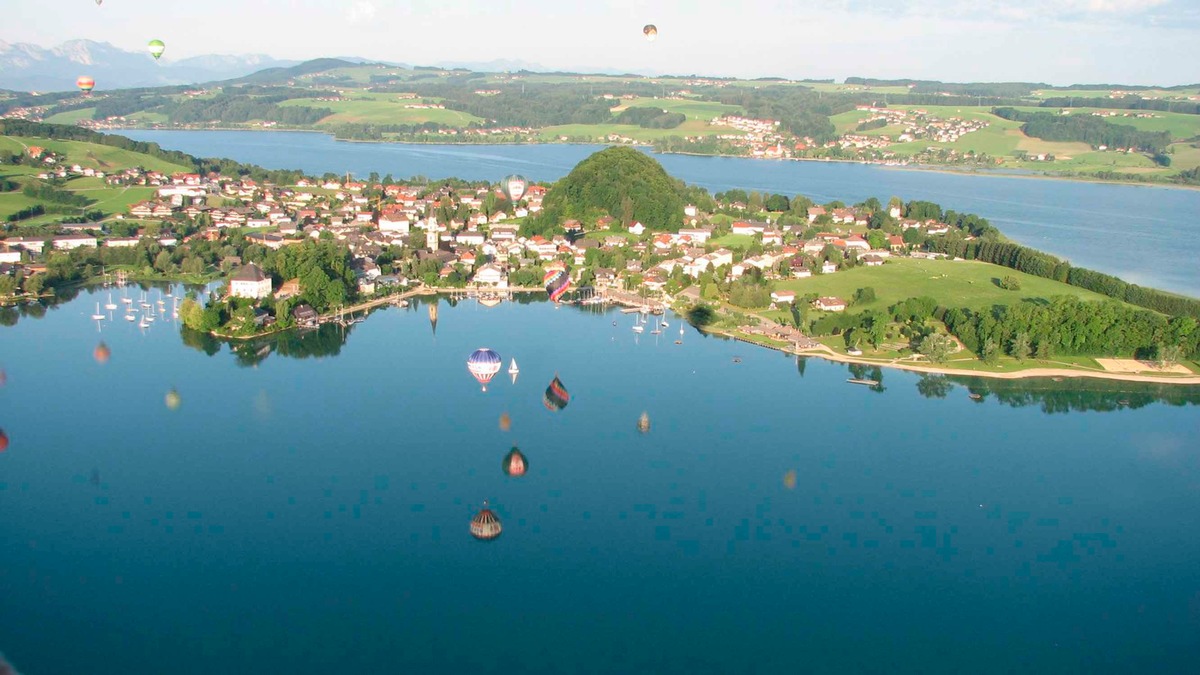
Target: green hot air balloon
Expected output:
[156,48]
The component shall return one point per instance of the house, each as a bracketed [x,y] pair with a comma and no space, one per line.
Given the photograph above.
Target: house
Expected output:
[814,212]
[605,277]
[895,242]
[698,235]
[637,229]
[828,267]
[772,238]
[830,304]
[490,275]
[783,297]
[70,241]
[872,261]
[304,315]
[250,282]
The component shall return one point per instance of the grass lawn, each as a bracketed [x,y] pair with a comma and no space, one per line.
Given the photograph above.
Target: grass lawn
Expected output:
[71,116]
[953,284]
[694,110]
[99,156]
[601,131]
[383,111]
[738,241]
[1179,125]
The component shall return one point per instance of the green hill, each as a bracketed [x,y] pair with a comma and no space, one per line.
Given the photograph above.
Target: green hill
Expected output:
[620,182]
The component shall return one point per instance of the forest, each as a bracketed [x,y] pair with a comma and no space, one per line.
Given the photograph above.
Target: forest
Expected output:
[1089,129]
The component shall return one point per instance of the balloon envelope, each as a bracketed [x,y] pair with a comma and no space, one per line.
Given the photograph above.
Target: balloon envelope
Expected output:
[557,282]
[650,31]
[3,441]
[101,353]
[157,47]
[556,397]
[173,400]
[483,365]
[85,83]
[515,463]
[485,525]
[514,186]
[505,422]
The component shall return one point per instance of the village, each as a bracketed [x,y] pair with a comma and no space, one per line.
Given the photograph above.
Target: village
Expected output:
[469,237]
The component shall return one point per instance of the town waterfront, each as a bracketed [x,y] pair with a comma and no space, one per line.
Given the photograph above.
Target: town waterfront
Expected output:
[1145,235]
[305,509]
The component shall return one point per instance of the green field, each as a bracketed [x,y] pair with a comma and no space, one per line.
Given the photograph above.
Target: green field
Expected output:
[71,116]
[1179,125]
[854,88]
[379,110]
[738,241]
[601,131]
[94,155]
[694,110]
[953,284]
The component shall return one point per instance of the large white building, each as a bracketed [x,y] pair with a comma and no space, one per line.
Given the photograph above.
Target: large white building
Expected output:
[250,282]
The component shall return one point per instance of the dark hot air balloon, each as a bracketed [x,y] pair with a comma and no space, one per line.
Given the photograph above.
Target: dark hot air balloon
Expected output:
[3,441]
[101,353]
[85,84]
[556,397]
[515,463]
[483,364]
[650,31]
[557,281]
[485,526]
[514,187]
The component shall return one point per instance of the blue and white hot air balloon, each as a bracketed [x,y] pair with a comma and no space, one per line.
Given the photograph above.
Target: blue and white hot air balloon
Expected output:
[483,365]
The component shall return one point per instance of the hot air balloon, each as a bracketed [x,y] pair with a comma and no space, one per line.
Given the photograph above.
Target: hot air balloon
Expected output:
[156,48]
[789,479]
[515,463]
[101,353]
[433,311]
[514,186]
[643,424]
[650,31]
[557,281]
[505,422]
[485,526]
[85,84]
[3,441]
[483,364]
[173,400]
[99,2]
[556,397]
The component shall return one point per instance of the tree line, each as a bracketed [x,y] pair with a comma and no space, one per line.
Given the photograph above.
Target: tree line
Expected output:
[1089,129]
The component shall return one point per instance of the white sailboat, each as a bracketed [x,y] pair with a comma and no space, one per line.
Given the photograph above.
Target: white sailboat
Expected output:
[129,316]
[97,316]
[637,325]
[110,306]
[512,368]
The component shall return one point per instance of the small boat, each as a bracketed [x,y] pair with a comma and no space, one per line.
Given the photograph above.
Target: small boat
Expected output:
[512,368]
[110,305]
[656,331]
[869,383]
[614,322]
[130,317]
[664,324]
[638,329]
[975,397]
[148,317]
[97,316]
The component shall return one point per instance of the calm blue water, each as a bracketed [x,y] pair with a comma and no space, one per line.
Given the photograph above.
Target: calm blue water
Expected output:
[1146,235]
[308,513]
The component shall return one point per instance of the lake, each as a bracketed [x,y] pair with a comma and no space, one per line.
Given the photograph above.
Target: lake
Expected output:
[306,507]
[1147,235]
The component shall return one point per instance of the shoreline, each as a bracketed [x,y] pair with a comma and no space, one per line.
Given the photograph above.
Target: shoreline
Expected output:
[830,355]
[933,168]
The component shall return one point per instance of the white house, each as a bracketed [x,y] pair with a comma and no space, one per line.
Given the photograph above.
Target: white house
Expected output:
[250,282]
[830,304]
[783,297]
[490,275]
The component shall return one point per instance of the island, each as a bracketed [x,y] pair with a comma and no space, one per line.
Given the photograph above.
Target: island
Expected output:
[895,283]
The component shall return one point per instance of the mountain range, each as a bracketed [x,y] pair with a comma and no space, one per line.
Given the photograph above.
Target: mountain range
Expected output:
[27,67]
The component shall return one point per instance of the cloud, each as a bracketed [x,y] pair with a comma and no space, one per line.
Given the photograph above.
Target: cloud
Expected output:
[360,12]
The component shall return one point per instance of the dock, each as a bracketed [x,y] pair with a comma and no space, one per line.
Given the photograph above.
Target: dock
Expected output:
[869,383]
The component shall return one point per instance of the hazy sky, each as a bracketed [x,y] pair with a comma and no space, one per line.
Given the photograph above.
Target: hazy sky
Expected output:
[1055,41]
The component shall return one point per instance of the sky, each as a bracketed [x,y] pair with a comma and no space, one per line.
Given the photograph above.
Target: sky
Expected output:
[1053,41]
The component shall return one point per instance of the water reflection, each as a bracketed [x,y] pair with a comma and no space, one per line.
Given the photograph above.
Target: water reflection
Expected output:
[1069,395]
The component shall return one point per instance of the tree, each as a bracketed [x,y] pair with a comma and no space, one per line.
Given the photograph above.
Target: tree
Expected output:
[990,352]
[864,295]
[777,203]
[1010,283]
[1169,355]
[1020,348]
[936,347]
[934,386]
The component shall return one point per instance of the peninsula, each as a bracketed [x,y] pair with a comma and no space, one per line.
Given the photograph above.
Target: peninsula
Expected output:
[895,283]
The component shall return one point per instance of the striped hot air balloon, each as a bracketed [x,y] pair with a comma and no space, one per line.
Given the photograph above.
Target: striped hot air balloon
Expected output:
[514,187]
[483,365]
[485,526]
[557,282]
[85,84]
[156,47]
[556,397]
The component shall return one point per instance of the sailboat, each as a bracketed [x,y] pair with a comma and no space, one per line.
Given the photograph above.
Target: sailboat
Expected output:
[637,325]
[129,315]
[512,368]
[680,340]
[97,316]
[111,305]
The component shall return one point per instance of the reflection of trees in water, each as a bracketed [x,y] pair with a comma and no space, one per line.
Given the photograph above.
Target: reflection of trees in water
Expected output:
[1069,395]
[325,340]
[9,316]
[864,371]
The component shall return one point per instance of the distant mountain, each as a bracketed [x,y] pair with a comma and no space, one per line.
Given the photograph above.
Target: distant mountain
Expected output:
[26,67]
[280,75]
